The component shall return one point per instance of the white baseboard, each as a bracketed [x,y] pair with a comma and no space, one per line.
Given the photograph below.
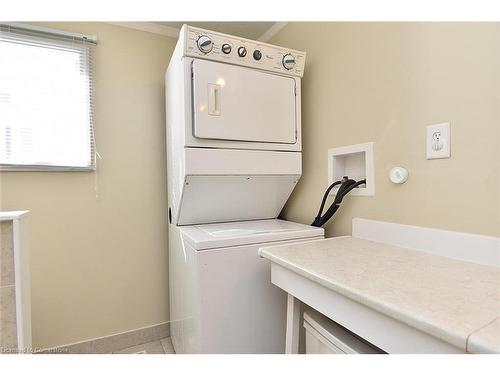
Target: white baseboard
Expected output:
[458,245]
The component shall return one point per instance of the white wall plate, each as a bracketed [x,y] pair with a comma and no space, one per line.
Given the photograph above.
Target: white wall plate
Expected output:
[354,161]
[438,141]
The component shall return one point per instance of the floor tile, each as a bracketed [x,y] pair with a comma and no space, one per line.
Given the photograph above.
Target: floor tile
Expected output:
[154,347]
[122,341]
[168,348]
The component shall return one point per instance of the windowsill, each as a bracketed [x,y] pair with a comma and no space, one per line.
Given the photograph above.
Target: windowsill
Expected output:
[34,168]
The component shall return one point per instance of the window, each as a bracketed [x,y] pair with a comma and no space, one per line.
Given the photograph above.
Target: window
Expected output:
[46,100]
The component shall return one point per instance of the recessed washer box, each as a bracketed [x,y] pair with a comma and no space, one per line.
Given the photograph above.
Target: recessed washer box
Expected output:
[355,161]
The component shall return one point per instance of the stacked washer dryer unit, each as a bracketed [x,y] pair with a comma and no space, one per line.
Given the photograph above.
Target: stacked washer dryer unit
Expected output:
[234,157]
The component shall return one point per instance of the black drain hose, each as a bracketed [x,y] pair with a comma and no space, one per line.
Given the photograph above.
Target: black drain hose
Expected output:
[346,185]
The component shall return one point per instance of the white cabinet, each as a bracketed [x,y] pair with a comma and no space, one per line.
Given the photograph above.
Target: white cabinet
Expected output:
[324,336]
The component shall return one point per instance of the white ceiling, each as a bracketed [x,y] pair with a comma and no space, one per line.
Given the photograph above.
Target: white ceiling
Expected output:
[250,30]
[262,31]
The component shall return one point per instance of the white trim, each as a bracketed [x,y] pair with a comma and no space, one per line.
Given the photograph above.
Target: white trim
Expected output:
[150,27]
[22,284]
[272,31]
[12,215]
[18,270]
[457,245]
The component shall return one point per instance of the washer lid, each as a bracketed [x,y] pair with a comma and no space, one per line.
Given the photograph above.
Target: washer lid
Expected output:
[210,236]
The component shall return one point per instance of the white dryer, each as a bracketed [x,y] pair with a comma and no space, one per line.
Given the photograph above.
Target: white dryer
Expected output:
[233,127]
[234,155]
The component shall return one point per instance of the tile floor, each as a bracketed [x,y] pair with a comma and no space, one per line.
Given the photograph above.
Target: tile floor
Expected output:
[163,346]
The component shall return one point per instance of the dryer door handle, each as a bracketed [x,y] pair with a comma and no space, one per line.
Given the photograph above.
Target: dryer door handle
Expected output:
[214,99]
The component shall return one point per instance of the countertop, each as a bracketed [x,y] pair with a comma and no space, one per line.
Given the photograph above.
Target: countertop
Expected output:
[486,339]
[449,299]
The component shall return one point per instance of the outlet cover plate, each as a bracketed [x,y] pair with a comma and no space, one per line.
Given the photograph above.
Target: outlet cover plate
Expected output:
[438,141]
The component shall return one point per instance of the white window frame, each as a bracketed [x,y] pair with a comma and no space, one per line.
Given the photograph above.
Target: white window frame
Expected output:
[90,40]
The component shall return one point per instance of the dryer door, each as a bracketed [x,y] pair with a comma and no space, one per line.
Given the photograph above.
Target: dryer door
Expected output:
[242,104]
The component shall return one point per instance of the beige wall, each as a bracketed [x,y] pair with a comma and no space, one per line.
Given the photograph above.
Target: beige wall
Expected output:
[385,82]
[98,240]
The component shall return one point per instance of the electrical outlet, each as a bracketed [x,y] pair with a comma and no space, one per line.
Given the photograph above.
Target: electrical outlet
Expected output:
[438,141]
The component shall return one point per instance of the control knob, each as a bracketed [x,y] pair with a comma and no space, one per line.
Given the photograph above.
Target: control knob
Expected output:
[205,44]
[288,61]
[257,55]
[226,48]
[242,51]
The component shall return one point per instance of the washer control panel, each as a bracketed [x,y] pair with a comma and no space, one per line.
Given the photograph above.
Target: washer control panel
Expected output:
[216,46]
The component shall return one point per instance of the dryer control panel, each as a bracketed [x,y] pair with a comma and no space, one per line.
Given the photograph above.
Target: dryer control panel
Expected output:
[230,49]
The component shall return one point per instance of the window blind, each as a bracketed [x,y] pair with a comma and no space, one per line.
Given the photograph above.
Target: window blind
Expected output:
[46,100]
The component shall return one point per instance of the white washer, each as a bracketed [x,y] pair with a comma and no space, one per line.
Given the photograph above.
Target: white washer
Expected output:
[223,300]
